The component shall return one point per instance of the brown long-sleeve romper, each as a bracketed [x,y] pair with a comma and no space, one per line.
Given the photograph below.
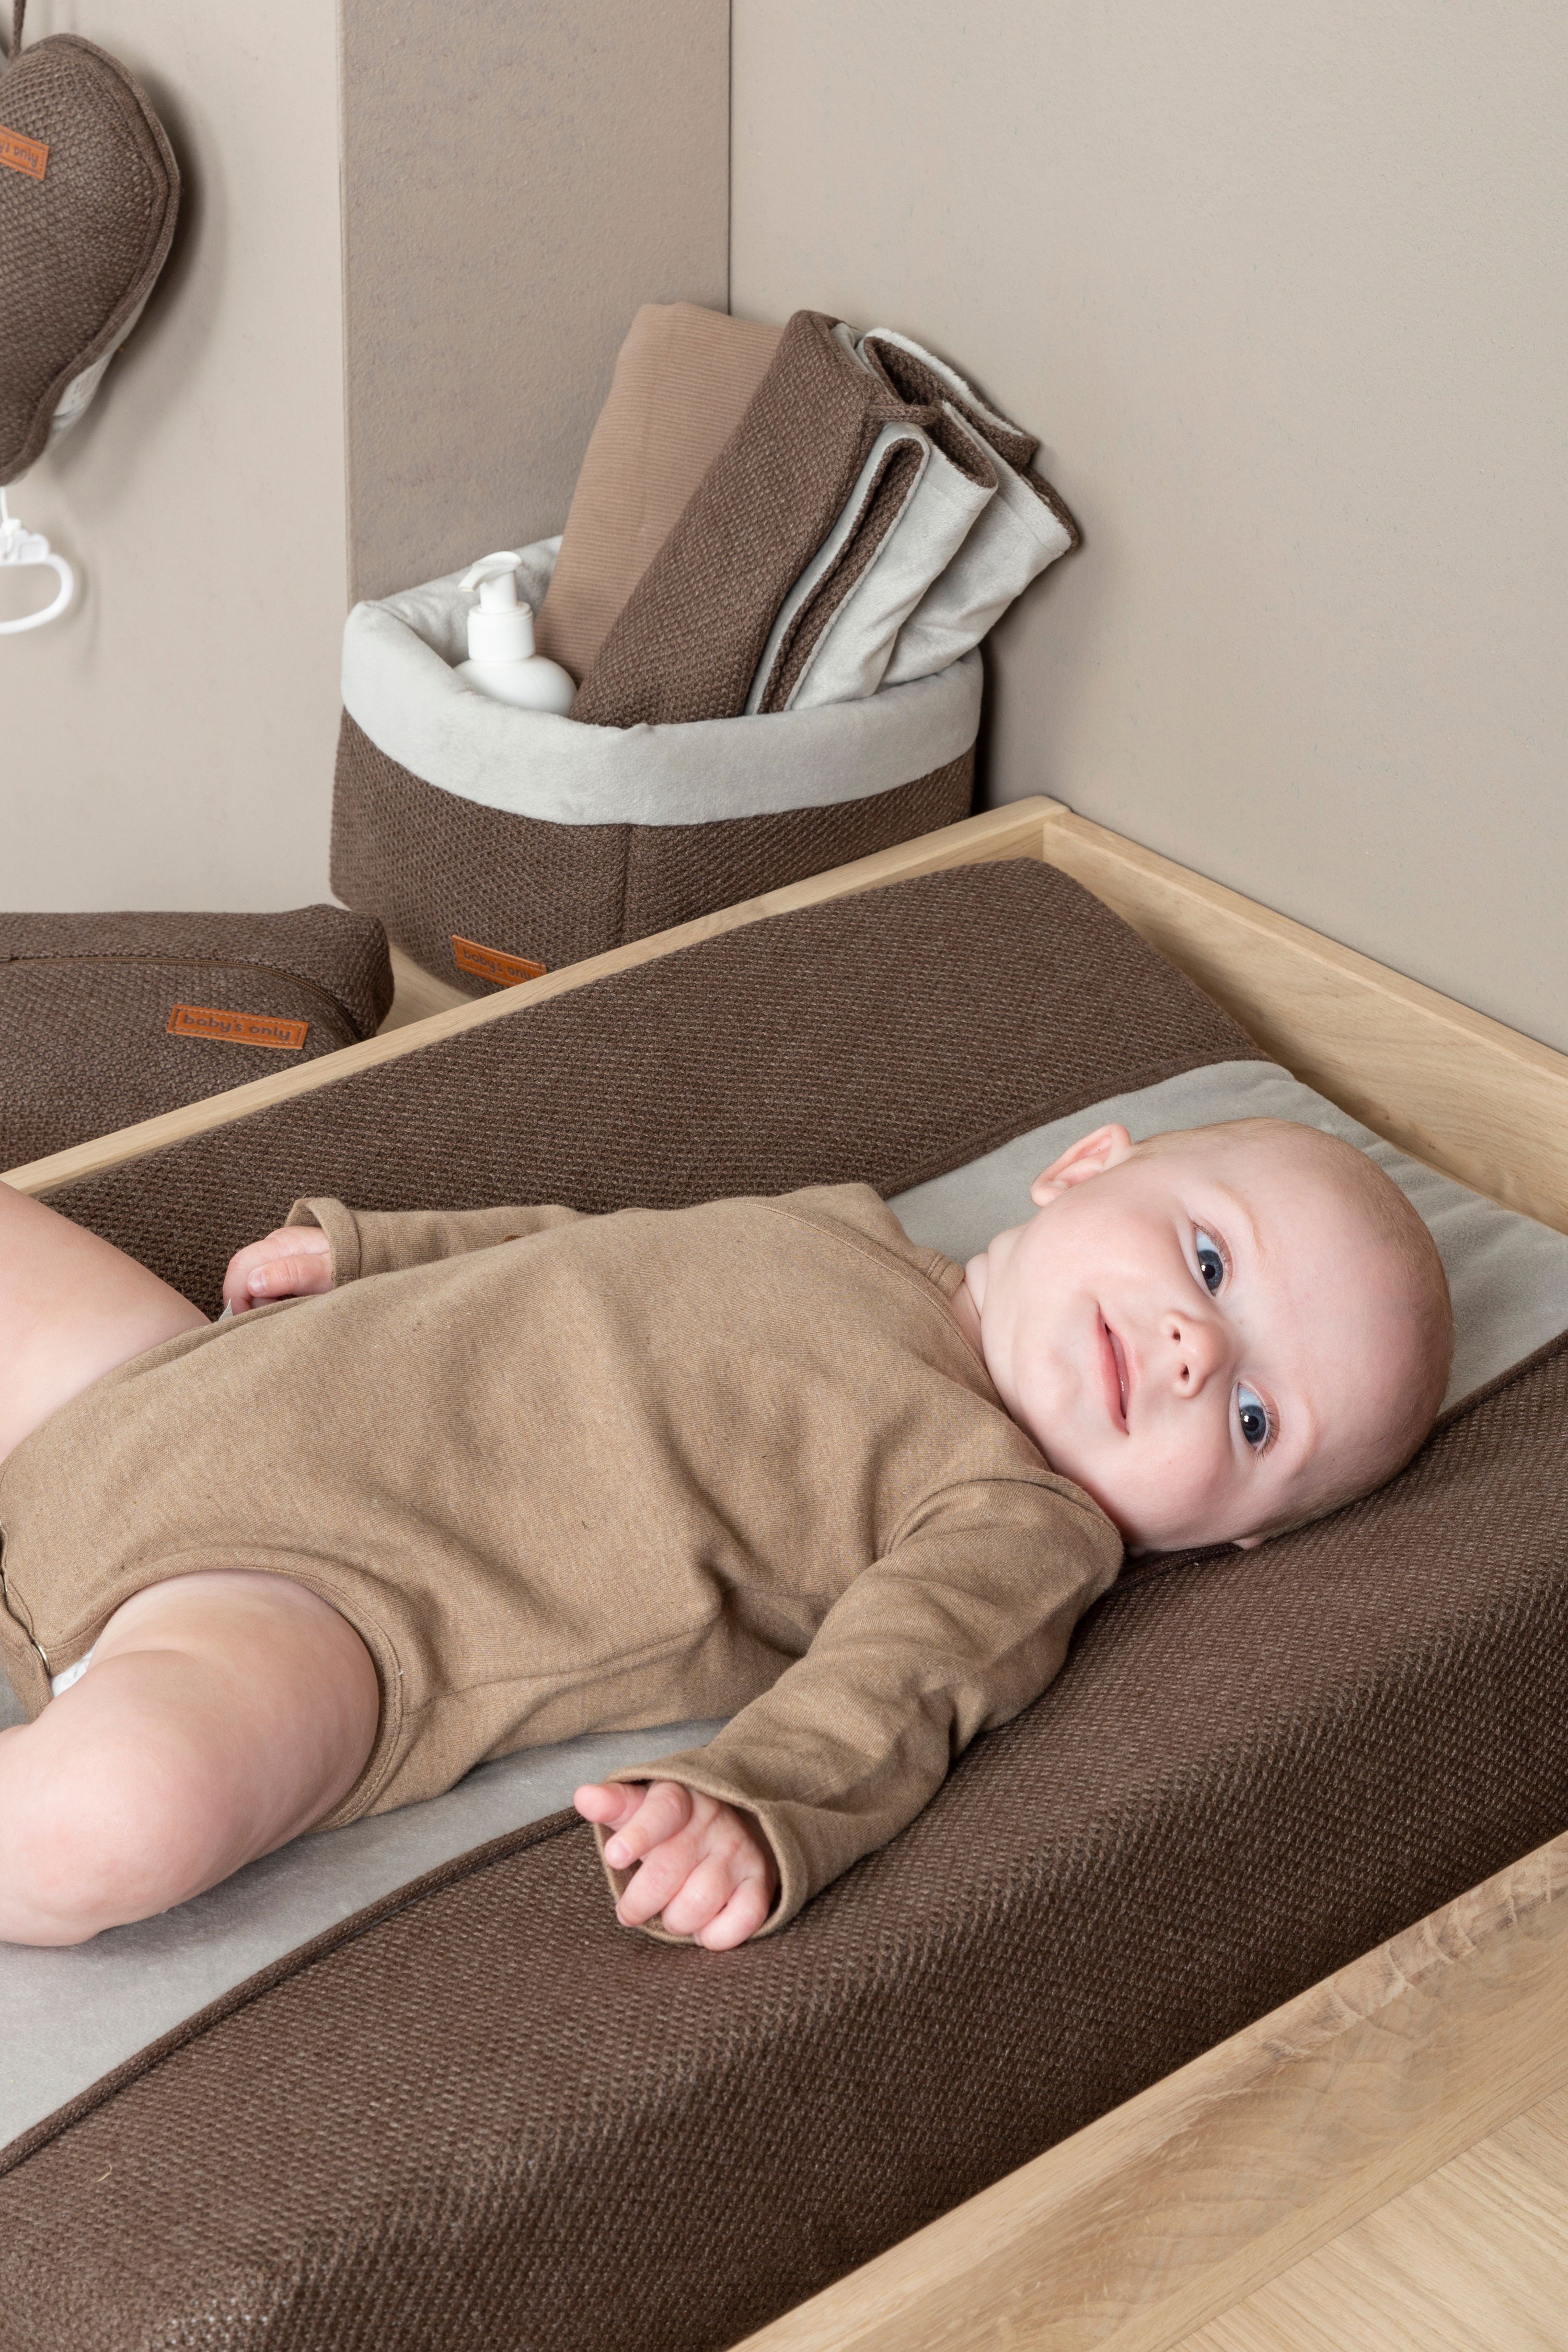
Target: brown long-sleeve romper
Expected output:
[567,1474]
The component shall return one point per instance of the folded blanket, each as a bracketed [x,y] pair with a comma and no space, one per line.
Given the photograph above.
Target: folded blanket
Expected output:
[811,446]
[979,527]
[682,384]
[1025,528]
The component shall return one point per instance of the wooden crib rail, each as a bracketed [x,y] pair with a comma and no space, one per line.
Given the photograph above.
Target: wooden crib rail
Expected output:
[1170,2209]
[1457,1090]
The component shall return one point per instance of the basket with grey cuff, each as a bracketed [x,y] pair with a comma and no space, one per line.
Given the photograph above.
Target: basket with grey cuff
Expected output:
[550,839]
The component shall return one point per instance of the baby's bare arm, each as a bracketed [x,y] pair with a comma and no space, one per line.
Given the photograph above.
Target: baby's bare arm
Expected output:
[703,1870]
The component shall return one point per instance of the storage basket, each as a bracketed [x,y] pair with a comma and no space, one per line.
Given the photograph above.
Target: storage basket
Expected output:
[457,818]
[109,1019]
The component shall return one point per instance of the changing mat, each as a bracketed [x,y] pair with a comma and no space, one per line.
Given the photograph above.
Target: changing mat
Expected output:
[457,2116]
[73,2015]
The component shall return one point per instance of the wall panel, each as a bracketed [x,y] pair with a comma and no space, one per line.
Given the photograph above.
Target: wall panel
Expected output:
[1280,288]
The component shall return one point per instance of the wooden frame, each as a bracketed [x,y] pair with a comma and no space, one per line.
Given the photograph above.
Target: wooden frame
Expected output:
[1168,2210]
[1454,1089]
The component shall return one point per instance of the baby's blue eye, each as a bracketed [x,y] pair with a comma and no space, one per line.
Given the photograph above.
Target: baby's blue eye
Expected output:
[1211,1263]
[1253,1415]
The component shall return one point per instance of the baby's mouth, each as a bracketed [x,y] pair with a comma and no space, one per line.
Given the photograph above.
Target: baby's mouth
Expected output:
[1113,1369]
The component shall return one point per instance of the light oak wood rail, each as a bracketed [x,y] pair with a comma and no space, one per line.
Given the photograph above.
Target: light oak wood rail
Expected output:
[1452,1088]
[1165,2211]
[1476,2254]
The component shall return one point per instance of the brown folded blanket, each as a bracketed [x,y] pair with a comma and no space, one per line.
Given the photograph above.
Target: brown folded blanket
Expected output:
[688,638]
[682,384]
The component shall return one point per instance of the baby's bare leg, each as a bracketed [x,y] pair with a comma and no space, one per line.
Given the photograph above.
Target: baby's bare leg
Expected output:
[71,1307]
[223,1713]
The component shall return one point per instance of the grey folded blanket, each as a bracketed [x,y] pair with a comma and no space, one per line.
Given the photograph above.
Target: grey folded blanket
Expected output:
[863,522]
[688,640]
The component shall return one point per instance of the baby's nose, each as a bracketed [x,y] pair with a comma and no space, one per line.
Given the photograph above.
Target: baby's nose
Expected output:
[1197,1350]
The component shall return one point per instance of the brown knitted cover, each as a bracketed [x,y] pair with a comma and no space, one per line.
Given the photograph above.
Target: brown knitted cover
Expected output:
[431,864]
[687,642]
[479,2114]
[84,233]
[85,1003]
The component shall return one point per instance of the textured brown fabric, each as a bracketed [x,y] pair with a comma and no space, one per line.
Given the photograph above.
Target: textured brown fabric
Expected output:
[85,1003]
[460,2118]
[83,243]
[463,2118]
[887,497]
[683,378]
[429,863]
[690,635]
[913,380]
[882,1039]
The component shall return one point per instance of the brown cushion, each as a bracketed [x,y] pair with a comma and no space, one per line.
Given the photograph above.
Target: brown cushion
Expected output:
[682,384]
[86,1002]
[89,193]
[463,2118]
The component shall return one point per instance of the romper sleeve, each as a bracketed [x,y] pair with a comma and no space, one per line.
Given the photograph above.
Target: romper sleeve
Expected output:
[382,1241]
[961,1623]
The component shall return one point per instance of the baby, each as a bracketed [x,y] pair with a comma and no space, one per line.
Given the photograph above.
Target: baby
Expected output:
[449,1484]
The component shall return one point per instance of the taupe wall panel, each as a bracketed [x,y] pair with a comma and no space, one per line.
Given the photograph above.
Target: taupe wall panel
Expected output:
[169,742]
[1282,288]
[519,175]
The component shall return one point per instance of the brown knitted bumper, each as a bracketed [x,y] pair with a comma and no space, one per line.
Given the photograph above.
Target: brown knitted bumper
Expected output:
[430,864]
[86,1004]
[466,2117]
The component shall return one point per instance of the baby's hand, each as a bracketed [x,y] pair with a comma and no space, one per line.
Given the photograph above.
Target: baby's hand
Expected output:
[295,1262]
[702,1865]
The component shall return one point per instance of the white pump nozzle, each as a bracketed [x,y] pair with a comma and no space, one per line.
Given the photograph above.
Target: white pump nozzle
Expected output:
[495,577]
[500,626]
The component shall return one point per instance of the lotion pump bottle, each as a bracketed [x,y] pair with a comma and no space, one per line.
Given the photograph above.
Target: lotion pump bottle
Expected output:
[502,660]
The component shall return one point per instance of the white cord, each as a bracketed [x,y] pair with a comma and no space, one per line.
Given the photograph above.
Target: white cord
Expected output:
[19,547]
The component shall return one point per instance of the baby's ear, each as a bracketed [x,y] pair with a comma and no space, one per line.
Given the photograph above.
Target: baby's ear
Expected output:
[1091,1155]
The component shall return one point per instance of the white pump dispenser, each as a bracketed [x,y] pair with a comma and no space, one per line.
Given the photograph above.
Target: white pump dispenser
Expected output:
[502,660]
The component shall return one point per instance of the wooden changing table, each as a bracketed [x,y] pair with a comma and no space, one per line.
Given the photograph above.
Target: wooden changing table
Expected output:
[1168,2210]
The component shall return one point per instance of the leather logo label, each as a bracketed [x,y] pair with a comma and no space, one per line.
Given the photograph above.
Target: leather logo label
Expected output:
[490,964]
[238,1028]
[20,153]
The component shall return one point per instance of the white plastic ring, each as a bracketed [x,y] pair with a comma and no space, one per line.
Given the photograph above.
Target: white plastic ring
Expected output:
[50,611]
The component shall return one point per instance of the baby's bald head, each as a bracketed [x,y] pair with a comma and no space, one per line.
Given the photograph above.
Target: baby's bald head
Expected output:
[1219,1332]
[1421,1347]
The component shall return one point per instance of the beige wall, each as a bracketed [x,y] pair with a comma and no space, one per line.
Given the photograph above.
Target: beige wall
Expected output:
[519,175]
[169,743]
[1281,290]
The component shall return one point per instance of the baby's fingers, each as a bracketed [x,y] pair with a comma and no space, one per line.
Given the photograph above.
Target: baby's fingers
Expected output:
[655,1881]
[609,1803]
[294,1261]
[664,1812]
[741,1916]
[703,1895]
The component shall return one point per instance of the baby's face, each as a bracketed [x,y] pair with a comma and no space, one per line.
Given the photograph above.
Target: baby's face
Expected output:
[1193,1336]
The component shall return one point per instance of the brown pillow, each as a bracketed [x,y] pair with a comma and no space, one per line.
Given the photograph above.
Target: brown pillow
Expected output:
[88,192]
[681,385]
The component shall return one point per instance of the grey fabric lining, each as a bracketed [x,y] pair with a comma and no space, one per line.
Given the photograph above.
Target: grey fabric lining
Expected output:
[1509,1275]
[399,685]
[71,2015]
